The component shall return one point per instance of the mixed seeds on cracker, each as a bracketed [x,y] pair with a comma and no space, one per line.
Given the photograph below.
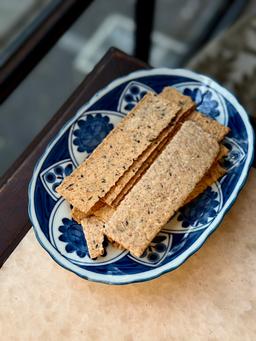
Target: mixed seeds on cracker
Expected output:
[151,164]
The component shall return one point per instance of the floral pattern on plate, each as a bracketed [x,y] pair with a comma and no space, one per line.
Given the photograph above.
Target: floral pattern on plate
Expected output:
[91,131]
[187,230]
[235,156]
[131,95]
[204,101]
[201,210]
[199,213]
[156,251]
[68,238]
[54,175]
[72,234]
[88,132]
[208,101]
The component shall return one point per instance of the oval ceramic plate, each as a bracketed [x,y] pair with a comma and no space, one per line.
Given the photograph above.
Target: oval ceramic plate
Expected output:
[63,238]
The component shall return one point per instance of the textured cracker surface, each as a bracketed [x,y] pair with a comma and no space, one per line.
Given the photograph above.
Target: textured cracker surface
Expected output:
[213,174]
[173,95]
[144,161]
[93,229]
[144,167]
[131,177]
[77,215]
[163,189]
[97,174]
[210,125]
[104,213]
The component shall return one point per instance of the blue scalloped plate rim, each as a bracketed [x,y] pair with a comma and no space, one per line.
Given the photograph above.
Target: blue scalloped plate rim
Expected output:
[156,272]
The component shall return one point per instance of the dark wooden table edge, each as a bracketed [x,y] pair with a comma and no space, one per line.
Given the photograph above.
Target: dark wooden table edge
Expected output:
[14,220]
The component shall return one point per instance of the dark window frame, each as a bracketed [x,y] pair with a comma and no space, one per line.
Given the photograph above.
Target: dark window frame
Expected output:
[36,40]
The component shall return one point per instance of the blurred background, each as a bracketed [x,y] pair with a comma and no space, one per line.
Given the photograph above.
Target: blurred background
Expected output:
[217,38]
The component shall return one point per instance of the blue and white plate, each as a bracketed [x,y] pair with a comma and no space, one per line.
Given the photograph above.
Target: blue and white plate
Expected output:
[63,238]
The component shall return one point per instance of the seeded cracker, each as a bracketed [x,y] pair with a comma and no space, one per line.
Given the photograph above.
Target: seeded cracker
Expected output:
[187,106]
[163,189]
[144,168]
[77,215]
[104,213]
[209,125]
[134,173]
[96,175]
[171,94]
[215,172]
[93,230]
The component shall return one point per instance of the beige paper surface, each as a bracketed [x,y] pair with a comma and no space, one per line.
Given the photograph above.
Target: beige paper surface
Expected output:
[210,297]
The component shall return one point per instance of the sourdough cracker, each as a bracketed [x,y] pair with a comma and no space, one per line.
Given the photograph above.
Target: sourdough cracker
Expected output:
[171,94]
[214,173]
[144,167]
[186,107]
[132,176]
[85,186]
[223,152]
[93,227]
[77,215]
[163,189]
[94,234]
[104,213]
[210,125]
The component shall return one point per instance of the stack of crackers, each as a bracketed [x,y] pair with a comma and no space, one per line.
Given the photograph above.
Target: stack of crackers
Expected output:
[162,155]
